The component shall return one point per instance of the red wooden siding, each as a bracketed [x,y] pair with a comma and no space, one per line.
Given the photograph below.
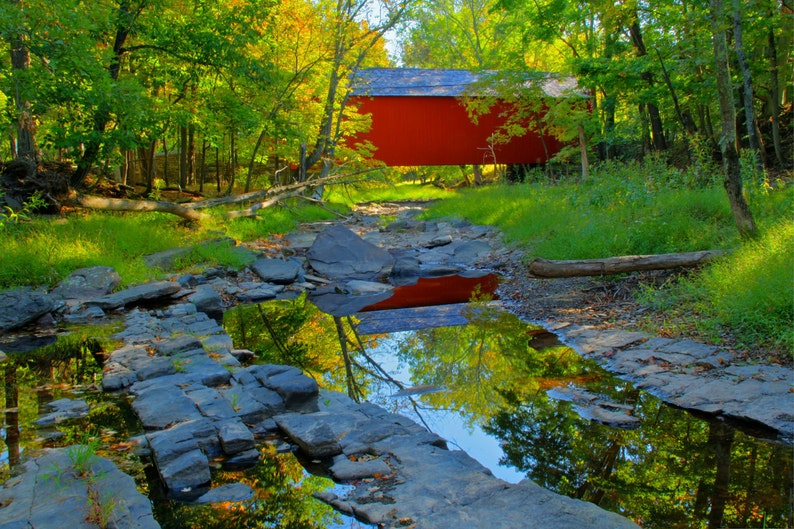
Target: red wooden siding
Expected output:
[432,130]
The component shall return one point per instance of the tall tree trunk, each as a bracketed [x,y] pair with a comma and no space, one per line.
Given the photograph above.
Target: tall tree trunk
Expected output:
[250,175]
[191,154]
[583,153]
[733,177]
[203,172]
[20,61]
[165,161]
[747,85]
[182,157]
[657,129]
[774,97]
[101,119]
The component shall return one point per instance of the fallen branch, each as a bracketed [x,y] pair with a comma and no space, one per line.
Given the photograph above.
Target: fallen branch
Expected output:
[618,265]
[251,211]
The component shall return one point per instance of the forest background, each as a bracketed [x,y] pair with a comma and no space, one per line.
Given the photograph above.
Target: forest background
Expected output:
[155,99]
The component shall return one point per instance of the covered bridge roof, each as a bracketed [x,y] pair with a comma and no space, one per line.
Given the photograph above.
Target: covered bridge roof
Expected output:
[441,82]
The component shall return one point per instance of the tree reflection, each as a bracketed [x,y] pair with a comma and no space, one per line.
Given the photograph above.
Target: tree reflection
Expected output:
[674,471]
[282,498]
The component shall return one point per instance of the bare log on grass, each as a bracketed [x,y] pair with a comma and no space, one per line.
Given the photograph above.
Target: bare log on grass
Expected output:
[618,265]
[122,204]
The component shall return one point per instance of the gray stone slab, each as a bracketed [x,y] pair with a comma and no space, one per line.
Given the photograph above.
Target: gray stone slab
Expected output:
[49,494]
[87,283]
[235,437]
[277,271]
[315,437]
[161,406]
[145,292]
[338,253]
[346,469]
[211,404]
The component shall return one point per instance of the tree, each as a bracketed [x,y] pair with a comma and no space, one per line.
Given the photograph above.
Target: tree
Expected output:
[24,146]
[355,32]
[733,176]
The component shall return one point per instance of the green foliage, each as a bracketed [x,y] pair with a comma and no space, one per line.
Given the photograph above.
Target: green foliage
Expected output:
[12,216]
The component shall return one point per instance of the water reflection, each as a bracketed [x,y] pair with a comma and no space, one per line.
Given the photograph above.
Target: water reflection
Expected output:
[282,499]
[671,469]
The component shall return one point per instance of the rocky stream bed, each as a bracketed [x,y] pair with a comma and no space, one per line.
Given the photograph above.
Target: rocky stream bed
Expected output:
[199,398]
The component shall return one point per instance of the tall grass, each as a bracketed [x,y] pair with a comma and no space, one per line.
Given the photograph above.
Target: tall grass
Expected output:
[636,209]
[43,251]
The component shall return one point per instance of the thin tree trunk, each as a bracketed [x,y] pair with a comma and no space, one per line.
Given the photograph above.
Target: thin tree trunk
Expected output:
[733,176]
[657,129]
[165,161]
[583,153]
[249,177]
[20,62]
[191,154]
[774,96]
[203,164]
[182,157]
[747,85]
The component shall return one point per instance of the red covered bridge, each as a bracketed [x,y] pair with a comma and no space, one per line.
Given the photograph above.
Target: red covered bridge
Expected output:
[419,118]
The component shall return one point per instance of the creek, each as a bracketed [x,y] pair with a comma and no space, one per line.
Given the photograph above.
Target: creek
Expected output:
[505,391]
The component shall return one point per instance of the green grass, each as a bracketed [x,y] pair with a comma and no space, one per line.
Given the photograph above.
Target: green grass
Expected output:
[384,192]
[43,251]
[634,210]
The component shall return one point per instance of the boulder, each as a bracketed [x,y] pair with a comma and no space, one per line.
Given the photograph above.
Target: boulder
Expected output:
[21,306]
[276,271]
[87,283]
[338,253]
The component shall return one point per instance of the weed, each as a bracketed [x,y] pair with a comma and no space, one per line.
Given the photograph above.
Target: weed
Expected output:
[82,456]
[100,507]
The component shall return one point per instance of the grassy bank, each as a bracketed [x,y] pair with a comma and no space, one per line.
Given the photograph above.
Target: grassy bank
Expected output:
[624,211]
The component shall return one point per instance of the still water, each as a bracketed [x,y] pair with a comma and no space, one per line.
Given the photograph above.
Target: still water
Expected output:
[501,389]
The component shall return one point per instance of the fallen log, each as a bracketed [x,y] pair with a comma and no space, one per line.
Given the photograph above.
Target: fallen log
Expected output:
[122,204]
[618,265]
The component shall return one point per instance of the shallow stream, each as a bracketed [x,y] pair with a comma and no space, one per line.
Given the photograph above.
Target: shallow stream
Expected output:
[506,392]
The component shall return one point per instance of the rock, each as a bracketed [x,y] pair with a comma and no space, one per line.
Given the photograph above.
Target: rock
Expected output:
[298,390]
[51,495]
[337,302]
[338,253]
[229,493]
[259,293]
[313,436]
[276,271]
[208,301]
[87,283]
[21,306]
[63,409]
[190,470]
[163,404]
[146,292]
[235,437]
[346,469]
